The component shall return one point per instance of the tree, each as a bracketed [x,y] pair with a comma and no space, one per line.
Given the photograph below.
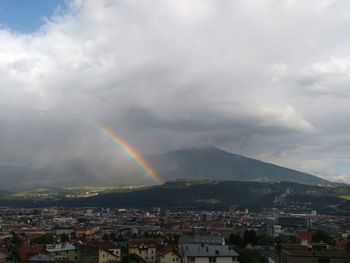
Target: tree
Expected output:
[322,236]
[235,240]
[16,240]
[43,239]
[64,238]
[131,259]
[249,237]
[250,256]
[264,240]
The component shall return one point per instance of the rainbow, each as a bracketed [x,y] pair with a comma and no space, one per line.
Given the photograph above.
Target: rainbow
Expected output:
[130,151]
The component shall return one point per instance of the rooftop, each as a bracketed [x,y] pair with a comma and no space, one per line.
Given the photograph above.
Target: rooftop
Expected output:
[59,247]
[201,250]
[314,250]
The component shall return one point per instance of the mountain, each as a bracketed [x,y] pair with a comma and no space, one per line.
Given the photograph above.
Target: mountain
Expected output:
[205,194]
[191,164]
[215,164]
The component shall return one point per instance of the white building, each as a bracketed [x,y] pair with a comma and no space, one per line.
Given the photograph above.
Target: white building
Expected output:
[205,253]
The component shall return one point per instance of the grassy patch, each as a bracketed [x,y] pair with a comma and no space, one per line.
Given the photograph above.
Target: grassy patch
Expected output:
[346,197]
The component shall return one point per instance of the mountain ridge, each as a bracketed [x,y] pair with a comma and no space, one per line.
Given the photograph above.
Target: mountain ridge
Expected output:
[216,164]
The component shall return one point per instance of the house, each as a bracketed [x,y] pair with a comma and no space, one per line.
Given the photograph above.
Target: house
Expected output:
[99,252]
[144,248]
[85,231]
[45,258]
[202,239]
[304,237]
[311,253]
[26,252]
[63,230]
[170,255]
[207,253]
[66,250]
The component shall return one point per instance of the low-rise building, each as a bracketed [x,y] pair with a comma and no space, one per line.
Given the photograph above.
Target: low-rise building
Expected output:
[170,255]
[65,250]
[206,253]
[311,253]
[144,248]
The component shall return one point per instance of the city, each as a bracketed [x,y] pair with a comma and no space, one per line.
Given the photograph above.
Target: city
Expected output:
[174,131]
[162,235]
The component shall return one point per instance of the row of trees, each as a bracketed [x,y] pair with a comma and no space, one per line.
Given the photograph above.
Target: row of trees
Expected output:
[249,237]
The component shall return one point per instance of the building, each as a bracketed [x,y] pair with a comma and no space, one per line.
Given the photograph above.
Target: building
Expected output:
[144,248]
[202,239]
[26,252]
[201,253]
[311,253]
[273,230]
[96,252]
[85,231]
[294,221]
[170,255]
[65,250]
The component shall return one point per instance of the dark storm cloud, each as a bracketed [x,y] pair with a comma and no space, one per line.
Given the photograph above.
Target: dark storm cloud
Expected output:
[263,78]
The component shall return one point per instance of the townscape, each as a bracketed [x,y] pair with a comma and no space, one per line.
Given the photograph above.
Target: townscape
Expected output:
[174,131]
[158,235]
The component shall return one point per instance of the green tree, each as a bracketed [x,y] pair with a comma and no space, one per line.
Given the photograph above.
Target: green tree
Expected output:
[131,259]
[43,239]
[16,239]
[235,240]
[64,238]
[322,236]
[250,256]
[264,240]
[249,237]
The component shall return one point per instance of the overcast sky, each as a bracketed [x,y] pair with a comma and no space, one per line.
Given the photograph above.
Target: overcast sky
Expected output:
[269,79]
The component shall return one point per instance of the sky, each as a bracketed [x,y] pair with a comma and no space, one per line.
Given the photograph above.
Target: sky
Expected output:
[269,79]
[29,15]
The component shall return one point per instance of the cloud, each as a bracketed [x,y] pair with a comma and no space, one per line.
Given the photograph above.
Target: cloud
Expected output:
[172,74]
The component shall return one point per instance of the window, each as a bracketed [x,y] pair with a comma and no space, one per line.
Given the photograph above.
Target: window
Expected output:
[212,259]
[191,259]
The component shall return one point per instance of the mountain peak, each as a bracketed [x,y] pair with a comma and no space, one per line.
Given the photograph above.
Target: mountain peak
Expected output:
[213,163]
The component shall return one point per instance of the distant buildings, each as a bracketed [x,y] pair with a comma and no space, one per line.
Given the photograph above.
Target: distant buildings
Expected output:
[294,221]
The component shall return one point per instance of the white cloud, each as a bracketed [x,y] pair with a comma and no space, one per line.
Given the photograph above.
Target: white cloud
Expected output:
[285,117]
[198,70]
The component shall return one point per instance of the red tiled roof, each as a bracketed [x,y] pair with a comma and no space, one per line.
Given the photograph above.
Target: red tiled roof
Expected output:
[27,251]
[167,249]
[147,242]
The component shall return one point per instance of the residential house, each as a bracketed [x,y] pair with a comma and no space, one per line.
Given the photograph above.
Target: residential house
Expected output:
[64,250]
[144,248]
[207,253]
[310,253]
[170,255]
